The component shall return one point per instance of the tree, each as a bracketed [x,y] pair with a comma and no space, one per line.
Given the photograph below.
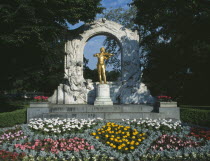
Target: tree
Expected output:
[125,18]
[175,35]
[32,36]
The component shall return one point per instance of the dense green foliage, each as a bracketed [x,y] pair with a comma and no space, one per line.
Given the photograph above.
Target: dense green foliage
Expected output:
[32,39]
[175,35]
[8,104]
[195,107]
[195,116]
[8,119]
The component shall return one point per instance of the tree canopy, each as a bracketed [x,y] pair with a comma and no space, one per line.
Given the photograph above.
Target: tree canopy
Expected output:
[124,17]
[175,34]
[32,36]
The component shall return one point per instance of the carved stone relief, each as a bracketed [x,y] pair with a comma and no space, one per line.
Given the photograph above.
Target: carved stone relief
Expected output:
[77,90]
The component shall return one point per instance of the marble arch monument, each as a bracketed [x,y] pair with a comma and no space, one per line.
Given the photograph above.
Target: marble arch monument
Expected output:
[76,90]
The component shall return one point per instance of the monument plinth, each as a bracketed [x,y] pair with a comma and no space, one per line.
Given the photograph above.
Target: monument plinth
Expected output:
[103,95]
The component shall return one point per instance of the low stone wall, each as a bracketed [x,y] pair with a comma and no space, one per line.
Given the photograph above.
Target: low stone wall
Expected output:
[114,112]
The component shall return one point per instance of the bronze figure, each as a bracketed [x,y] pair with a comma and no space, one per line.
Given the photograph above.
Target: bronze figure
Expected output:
[102,56]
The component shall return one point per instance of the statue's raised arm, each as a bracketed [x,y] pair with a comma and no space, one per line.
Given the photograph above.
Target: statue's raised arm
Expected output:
[101,65]
[96,55]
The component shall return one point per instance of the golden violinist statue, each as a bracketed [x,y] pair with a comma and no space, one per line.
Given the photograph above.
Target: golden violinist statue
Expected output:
[101,65]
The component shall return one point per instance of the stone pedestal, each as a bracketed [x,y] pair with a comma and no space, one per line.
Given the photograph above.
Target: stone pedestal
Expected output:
[169,109]
[103,95]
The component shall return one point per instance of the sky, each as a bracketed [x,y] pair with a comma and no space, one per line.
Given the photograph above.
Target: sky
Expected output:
[94,44]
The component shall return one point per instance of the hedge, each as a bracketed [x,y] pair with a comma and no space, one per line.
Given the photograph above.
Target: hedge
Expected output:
[195,107]
[195,116]
[8,119]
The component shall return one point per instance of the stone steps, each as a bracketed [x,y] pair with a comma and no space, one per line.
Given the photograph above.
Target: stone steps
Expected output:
[104,115]
[95,109]
[85,111]
[115,112]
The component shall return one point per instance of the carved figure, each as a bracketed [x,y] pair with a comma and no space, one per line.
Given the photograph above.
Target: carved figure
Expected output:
[101,65]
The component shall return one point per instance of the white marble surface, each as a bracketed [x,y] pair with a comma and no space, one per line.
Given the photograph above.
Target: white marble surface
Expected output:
[77,90]
[103,95]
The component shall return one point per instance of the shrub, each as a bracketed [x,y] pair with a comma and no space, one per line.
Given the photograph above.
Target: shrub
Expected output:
[8,119]
[195,107]
[195,116]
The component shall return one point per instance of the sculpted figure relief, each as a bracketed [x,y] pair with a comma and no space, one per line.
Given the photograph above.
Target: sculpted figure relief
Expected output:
[102,56]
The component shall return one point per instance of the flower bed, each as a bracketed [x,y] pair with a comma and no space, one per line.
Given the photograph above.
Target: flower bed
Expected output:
[55,146]
[58,126]
[166,142]
[200,133]
[162,125]
[41,98]
[164,98]
[5,155]
[12,134]
[119,137]
[72,139]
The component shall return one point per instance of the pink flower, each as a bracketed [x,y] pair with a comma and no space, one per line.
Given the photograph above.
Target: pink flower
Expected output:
[168,146]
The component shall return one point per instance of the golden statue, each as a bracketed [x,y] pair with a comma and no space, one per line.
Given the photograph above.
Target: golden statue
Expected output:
[101,65]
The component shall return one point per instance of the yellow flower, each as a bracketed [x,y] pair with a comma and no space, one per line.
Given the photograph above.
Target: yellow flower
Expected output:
[133,137]
[116,132]
[137,143]
[106,136]
[116,140]
[125,129]
[139,139]
[108,142]
[99,132]
[123,145]
[97,137]
[143,138]
[143,134]
[114,146]
[128,142]
[140,134]
[98,129]
[119,147]
[131,147]
[111,138]
[126,148]
[123,132]
[93,133]
[111,144]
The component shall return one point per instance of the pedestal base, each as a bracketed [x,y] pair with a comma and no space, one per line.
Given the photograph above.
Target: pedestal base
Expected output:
[103,95]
